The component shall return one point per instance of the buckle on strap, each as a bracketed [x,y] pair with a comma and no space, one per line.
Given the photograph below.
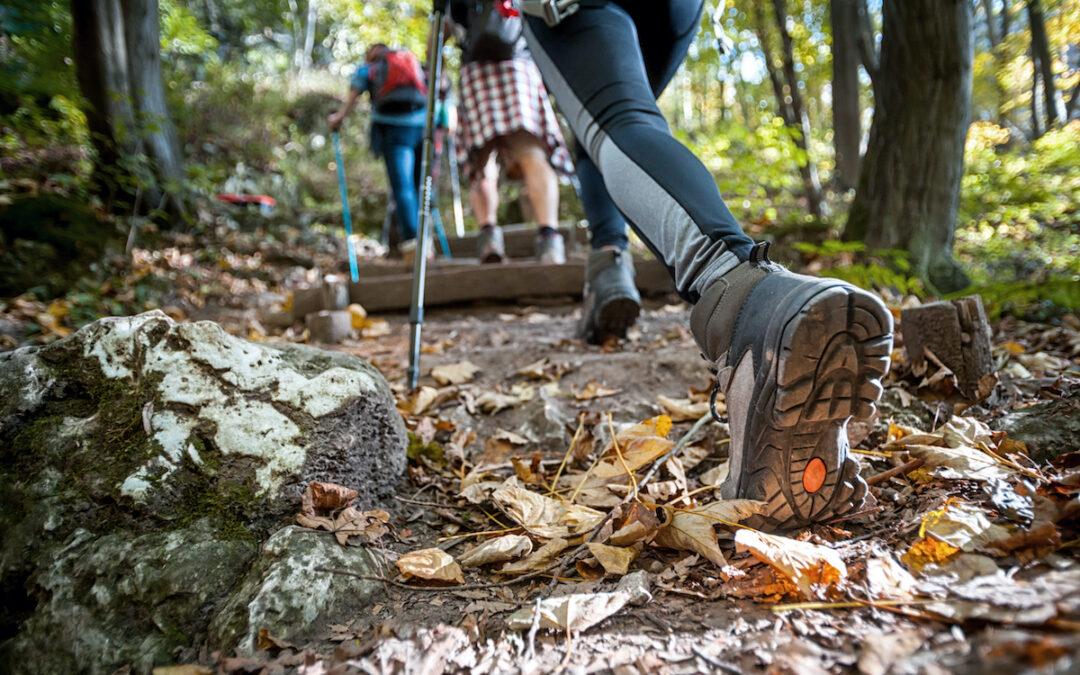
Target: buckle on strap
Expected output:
[551,11]
[712,404]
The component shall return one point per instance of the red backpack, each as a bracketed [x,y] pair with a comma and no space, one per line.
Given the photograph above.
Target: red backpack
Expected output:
[397,83]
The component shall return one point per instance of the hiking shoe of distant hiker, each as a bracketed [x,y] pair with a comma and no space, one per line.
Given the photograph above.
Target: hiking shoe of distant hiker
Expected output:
[611,299]
[796,357]
[490,245]
[550,248]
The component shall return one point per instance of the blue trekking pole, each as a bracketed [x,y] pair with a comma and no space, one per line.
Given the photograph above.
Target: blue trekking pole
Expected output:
[345,206]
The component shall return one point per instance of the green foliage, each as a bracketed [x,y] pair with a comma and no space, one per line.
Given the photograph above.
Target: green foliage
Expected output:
[880,269]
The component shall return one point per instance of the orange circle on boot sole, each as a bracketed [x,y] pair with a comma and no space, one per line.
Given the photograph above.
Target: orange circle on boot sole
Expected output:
[813,476]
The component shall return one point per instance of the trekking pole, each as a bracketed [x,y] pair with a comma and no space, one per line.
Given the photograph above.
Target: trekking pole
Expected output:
[455,186]
[345,206]
[416,312]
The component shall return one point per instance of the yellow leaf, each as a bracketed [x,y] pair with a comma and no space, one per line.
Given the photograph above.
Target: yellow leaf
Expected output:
[810,566]
[928,550]
[455,373]
[615,560]
[1013,347]
[358,316]
[419,401]
[375,328]
[432,564]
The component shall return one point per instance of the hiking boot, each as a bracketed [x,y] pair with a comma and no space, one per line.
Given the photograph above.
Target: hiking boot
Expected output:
[550,248]
[796,357]
[490,245]
[612,301]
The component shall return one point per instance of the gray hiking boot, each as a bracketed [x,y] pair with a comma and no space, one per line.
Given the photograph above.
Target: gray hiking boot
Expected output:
[612,301]
[796,357]
[550,248]
[489,244]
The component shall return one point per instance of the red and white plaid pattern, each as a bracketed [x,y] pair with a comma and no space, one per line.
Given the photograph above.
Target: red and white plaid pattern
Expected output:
[500,97]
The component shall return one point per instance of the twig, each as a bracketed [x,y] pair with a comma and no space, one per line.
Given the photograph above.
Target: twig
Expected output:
[569,643]
[562,465]
[618,453]
[434,504]
[857,514]
[530,653]
[896,471]
[465,587]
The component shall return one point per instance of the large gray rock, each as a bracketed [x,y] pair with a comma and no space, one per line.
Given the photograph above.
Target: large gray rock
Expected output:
[142,463]
[1048,429]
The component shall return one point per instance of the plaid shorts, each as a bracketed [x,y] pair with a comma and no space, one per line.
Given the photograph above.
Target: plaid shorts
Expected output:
[499,98]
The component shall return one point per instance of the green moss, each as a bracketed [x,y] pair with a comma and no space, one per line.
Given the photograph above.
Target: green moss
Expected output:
[417,448]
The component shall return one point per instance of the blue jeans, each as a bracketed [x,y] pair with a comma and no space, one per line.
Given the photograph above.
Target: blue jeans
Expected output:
[401,147]
[605,66]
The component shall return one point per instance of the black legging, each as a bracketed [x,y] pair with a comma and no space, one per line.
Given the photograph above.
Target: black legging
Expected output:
[605,66]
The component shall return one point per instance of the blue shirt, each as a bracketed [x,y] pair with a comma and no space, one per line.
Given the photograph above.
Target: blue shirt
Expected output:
[361,81]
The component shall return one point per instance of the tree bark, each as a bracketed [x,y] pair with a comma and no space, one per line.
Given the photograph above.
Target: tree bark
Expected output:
[1040,49]
[789,100]
[909,187]
[141,32]
[847,131]
[118,67]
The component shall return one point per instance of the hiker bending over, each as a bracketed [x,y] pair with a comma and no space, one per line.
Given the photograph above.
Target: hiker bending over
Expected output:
[796,356]
[505,115]
[395,81]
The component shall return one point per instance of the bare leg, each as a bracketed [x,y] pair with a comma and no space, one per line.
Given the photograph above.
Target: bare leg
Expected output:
[527,154]
[484,193]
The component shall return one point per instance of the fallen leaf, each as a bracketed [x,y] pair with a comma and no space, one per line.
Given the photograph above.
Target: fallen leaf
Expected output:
[540,559]
[375,328]
[581,611]
[498,550]
[1043,537]
[455,373]
[267,642]
[695,530]
[418,401]
[455,448]
[543,369]
[811,567]
[928,550]
[530,471]
[614,559]
[322,498]
[639,523]
[962,525]
[960,463]
[887,579]
[682,409]
[543,516]
[882,652]
[371,525]
[593,390]
[432,564]
[187,669]
[357,315]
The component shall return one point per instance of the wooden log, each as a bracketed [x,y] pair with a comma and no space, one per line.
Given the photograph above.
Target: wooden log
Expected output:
[958,334]
[508,281]
[329,327]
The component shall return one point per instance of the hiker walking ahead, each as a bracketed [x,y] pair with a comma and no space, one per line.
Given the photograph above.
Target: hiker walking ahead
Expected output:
[395,82]
[796,356]
[505,115]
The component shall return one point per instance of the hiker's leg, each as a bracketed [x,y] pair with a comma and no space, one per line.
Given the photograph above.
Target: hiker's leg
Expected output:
[594,65]
[527,152]
[607,227]
[484,192]
[400,155]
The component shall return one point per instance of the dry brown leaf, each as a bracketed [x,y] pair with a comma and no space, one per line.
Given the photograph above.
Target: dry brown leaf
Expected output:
[614,559]
[683,409]
[321,498]
[531,471]
[371,525]
[418,401]
[543,516]
[498,550]
[315,522]
[636,453]
[494,401]
[357,315]
[543,369]
[962,525]
[431,564]
[695,530]
[455,448]
[186,669]
[375,328]
[455,373]
[425,430]
[540,559]
[639,523]
[581,611]
[267,642]
[593,390]
[811,567]
[886,579]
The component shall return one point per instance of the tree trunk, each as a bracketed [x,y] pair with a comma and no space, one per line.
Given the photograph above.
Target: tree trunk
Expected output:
[909,187]
[1040,48]
[101,68]
[141,32]
[309,35]
[790,102]
[847,131]
[1036,119]
[118,67]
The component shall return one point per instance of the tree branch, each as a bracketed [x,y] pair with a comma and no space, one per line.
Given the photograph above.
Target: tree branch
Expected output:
[864,40]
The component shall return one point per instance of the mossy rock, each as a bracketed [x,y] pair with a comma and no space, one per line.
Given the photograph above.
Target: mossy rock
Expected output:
[139,427]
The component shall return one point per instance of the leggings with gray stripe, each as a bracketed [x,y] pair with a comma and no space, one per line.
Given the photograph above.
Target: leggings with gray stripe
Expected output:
[605,65]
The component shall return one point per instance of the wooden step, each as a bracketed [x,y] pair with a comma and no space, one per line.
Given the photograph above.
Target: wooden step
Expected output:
[458,283]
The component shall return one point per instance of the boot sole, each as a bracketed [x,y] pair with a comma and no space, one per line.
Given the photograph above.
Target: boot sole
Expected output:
[614,316]
[827,369]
